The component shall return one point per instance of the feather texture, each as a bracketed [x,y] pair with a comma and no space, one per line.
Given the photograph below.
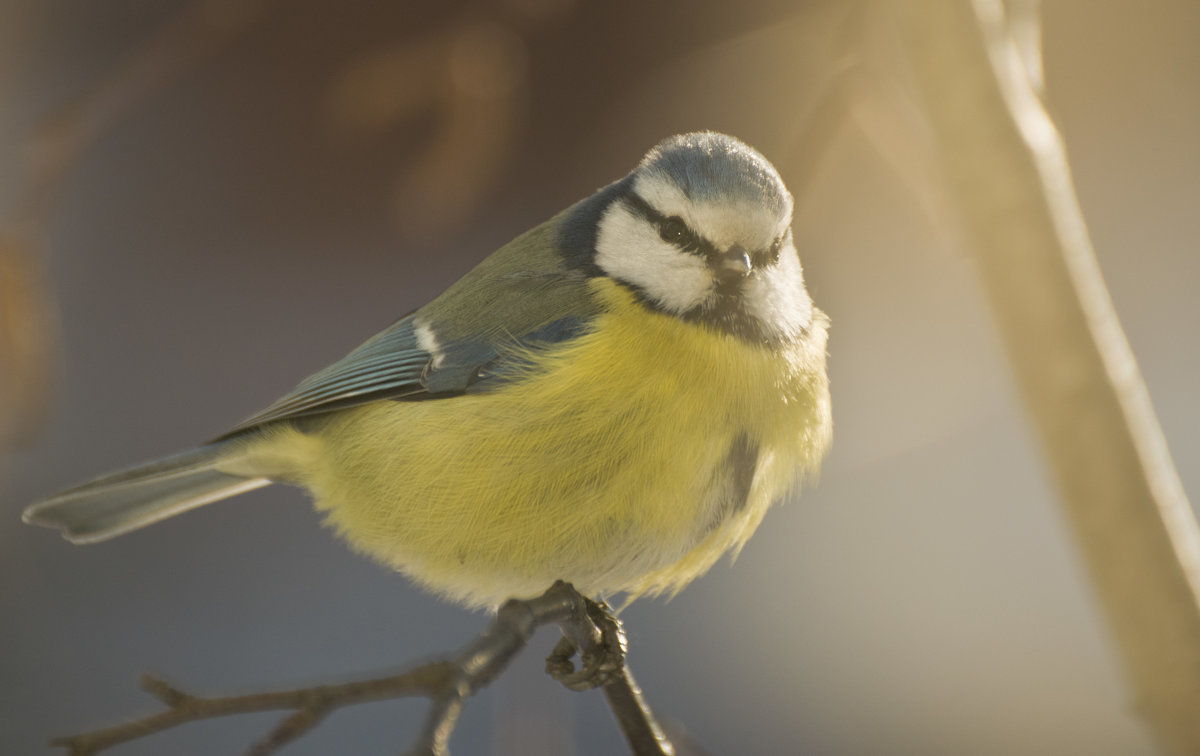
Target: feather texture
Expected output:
[609,461]
[519,297]
[119,502]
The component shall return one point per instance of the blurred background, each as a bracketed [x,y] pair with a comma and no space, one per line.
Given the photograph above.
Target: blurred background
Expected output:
[203,201]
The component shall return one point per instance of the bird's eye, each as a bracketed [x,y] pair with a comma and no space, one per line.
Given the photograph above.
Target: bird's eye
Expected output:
[769,256]
[674,230]
[773,250]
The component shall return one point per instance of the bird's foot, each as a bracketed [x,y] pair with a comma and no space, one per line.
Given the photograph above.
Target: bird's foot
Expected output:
[602,656]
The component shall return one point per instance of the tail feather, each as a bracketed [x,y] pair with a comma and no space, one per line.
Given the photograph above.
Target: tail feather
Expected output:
[123,501]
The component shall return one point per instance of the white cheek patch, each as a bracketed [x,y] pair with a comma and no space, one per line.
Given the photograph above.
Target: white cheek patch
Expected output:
[429,343]
[629,249]
[776,296]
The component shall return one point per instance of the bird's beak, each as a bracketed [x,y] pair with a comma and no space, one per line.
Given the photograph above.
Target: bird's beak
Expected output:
[735,262]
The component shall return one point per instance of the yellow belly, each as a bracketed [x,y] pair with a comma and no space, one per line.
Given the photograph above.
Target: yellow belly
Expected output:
[602,466]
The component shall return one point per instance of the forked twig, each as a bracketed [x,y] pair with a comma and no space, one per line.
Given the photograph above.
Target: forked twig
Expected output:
[588,628]
[310,705]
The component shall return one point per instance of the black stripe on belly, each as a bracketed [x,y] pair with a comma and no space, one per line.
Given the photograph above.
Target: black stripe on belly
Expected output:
[733,480]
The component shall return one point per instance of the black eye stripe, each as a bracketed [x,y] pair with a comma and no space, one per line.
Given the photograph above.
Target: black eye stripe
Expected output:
[671,229]
[770,255]
[641,207]
[690,241]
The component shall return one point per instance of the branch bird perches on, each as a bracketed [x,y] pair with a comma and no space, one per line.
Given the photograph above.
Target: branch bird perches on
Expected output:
[588,628]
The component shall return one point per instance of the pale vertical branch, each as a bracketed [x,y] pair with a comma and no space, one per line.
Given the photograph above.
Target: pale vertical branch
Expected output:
[1009,175]
[1025,29]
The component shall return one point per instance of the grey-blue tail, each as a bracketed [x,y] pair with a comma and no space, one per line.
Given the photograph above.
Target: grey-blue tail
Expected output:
[130,499]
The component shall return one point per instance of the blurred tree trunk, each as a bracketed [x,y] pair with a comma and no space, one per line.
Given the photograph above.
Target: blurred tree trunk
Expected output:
[1008,173]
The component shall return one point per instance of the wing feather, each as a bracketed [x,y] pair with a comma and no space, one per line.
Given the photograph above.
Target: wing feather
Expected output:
[524,295]
[392,365]
[389,364]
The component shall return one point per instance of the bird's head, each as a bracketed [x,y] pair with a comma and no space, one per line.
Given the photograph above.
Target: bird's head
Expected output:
[701,230]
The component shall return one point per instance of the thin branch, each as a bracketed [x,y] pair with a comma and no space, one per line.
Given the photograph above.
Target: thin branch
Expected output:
[310,704]
[587,627]
[645,736]
[1010,177]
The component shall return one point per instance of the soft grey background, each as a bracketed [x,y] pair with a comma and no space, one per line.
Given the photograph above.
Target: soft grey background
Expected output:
[226,237]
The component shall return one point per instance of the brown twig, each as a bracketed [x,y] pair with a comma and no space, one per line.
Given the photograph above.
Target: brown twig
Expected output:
[587,627]
[641,730]
[310,704]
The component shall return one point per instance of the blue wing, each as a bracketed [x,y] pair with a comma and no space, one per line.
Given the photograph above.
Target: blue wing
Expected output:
[393,365]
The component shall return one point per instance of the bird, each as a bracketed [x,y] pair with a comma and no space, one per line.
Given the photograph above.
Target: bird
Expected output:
[614,398]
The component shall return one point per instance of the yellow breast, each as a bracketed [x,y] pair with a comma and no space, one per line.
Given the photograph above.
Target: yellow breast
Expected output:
[604,465]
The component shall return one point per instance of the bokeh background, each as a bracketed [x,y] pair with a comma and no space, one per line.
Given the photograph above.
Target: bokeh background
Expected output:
[205,201]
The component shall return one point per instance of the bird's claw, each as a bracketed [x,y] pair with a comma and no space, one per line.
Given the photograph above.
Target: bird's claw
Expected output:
[601,661]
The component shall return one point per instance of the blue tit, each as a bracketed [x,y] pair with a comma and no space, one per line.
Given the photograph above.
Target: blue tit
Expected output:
[614,398]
